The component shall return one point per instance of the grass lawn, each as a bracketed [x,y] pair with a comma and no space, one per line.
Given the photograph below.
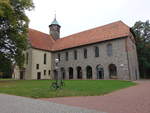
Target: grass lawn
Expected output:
[41,88]
[2,79]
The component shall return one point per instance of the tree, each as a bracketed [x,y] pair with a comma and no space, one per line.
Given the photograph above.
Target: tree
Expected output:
[5,68]
[142,37]
[13,30]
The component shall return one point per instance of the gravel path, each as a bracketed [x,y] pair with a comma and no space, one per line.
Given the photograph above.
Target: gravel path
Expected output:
[134,99]
[16,104]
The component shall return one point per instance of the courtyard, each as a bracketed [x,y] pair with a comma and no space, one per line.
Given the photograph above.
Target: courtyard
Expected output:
[133,99]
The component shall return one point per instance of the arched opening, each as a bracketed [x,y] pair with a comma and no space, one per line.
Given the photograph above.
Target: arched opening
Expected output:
[112,71]
[63,74]
[70,73]
[79,72]
[89,72]
[100,72]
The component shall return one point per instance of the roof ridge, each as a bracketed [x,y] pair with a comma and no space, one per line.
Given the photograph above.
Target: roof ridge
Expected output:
[106,32]
[93,29]
[38,31]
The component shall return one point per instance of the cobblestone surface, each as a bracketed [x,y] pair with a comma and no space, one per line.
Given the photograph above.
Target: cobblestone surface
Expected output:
[16,104]
[134,99]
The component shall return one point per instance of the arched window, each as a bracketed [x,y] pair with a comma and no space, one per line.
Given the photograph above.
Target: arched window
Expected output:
[109,49]
[45,58]
[85,53]
[96,51]
[66,56]
[75,55]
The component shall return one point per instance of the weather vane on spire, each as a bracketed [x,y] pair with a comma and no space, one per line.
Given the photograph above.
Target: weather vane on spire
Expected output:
[55,15]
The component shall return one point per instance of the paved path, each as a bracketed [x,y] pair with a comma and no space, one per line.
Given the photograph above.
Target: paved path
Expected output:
[16,104]
[134,99]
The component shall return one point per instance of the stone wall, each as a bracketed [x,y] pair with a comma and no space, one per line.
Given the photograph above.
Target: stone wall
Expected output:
[37,57]
[124,57]
[132,58]
[119,58]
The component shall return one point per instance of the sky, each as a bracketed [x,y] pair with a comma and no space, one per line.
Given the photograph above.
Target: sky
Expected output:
[78,15]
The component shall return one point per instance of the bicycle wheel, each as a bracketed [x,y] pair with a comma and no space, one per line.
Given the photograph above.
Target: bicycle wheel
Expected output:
[54,85]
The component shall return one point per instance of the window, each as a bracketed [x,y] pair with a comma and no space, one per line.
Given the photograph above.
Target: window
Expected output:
[66,56]
[58,56]
[49,72]
[45,58]
[27,58]
[75,54]
[85,53]
[109,49]
[96,51]
[44,72]
[37,66]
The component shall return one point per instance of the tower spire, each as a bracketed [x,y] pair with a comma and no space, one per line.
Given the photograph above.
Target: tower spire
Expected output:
[55,20]
[55,28]
[55,14]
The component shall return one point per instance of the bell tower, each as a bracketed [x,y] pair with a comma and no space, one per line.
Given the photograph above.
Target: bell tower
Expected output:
[54,29]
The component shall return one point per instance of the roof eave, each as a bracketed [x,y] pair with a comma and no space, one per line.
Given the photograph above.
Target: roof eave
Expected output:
[53,50]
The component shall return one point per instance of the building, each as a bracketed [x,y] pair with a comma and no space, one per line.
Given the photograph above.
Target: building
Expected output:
[105,52]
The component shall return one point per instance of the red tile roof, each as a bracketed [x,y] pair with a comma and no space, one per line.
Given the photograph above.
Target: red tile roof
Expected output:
[40,40]
[107,32]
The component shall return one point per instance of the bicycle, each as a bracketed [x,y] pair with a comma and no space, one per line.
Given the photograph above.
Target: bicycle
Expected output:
[57,85]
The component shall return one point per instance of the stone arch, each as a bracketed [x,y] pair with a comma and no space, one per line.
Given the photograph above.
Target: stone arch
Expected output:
[88,72]
[112,71]
[79,72]
[63,73]
[70,73]
[100,71]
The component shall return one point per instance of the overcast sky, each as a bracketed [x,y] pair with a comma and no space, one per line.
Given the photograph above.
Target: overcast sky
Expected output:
[79,15]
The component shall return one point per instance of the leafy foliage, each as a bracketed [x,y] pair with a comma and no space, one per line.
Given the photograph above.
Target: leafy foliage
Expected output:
[14,28]
[142,34]
[5,68]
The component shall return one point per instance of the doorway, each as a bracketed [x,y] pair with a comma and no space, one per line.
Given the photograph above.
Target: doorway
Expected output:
[79,72]
[100,72]
[39,75]
[112,71]
[89,72]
